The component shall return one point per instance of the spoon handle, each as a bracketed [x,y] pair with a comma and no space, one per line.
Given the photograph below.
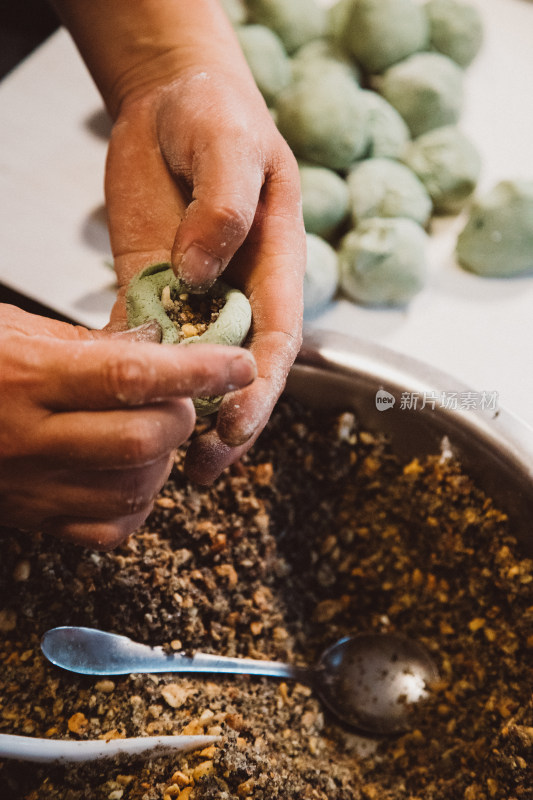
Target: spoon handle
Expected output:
[92,652]
[28,748]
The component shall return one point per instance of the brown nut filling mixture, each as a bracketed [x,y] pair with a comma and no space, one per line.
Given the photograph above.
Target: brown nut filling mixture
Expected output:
[320,531]
[192,314]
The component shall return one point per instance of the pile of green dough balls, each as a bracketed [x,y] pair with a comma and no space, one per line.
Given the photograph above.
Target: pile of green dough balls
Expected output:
[368,94]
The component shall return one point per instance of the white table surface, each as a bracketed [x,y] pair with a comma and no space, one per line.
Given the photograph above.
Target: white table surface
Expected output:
[54,245]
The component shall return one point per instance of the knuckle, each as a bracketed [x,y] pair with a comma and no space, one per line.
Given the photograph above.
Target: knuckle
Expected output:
[285,168]
[133,495]
[127,377]
[184,415]
[141,441]
[232,218]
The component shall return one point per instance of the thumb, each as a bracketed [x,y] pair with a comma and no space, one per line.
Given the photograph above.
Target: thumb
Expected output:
[225,197]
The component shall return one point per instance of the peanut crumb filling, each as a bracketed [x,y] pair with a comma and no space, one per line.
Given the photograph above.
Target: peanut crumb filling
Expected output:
[318,532]
[192,314]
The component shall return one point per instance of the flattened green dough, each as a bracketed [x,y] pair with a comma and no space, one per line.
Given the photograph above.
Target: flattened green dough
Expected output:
[143,304]
[497,240]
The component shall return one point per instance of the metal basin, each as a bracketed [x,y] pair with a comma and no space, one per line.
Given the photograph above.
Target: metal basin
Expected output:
[495,447]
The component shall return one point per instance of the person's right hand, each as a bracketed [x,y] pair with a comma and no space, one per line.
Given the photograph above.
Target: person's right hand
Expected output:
[89,422]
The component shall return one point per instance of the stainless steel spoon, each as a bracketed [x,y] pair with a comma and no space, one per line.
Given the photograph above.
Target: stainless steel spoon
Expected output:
[370,681]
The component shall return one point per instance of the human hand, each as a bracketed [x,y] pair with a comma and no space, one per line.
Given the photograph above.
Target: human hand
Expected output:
[198,175]
[89,422]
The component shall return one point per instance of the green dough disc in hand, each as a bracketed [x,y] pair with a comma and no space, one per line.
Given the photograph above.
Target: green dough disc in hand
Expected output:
[144,304]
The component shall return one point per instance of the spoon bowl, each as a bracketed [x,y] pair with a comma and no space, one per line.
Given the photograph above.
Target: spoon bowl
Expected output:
[375,681]
[370,681]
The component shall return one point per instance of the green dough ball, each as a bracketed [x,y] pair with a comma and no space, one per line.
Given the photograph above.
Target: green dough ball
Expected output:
[380,187]
[497,239]
[267,59]
[383,261]
[426,89]
[338,17]
[387,131]
[316,69]
[295,21]
[235,11]
[448,164]
[324,199]
[143,304]
[456,29]
[324,120]
[380,33]
[321,274]
[321,54]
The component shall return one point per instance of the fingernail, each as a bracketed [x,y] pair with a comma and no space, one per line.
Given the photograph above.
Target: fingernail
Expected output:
[242,371]
[147,332]
[234,439]
[198,268]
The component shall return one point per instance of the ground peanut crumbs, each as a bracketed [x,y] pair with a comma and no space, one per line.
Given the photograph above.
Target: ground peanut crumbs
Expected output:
[319,532]
[191,313]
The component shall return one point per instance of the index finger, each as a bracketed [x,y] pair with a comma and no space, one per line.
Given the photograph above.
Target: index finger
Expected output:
[105,374]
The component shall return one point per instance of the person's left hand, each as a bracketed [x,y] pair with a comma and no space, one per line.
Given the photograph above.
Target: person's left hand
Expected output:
[197,175]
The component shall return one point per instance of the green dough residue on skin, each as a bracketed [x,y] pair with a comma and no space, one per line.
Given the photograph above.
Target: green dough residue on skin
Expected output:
[426,89]
[321,274]
[387,131]
[323,119]
[143,304]
[325,199]
[497,240]
[456,29]
[380,187]
[383,262]
[295,21]
[448,164]
[380,33]
[267,59]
